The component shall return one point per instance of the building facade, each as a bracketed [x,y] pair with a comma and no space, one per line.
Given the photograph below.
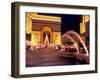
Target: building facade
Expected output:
[41,27]
[84,28]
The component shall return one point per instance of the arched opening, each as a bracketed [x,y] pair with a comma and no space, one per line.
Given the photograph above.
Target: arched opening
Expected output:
[46,34]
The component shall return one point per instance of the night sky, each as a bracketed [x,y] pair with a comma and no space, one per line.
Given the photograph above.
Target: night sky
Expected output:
[69,22]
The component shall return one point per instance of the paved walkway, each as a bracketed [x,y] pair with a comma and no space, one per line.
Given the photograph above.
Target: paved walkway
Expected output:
[48,57]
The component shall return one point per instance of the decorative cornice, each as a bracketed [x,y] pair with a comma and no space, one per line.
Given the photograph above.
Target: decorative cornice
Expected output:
[44,17]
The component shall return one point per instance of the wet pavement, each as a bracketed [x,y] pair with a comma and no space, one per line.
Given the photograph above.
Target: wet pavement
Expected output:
[48,57]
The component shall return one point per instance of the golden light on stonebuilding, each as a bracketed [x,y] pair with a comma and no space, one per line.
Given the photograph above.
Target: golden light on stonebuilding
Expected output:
[83,23]
[42,27]
[82,28]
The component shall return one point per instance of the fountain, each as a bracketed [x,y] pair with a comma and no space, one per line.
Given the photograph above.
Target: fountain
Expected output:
[70,35]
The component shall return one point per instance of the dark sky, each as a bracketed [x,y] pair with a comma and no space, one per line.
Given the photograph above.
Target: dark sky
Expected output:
[69,22]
